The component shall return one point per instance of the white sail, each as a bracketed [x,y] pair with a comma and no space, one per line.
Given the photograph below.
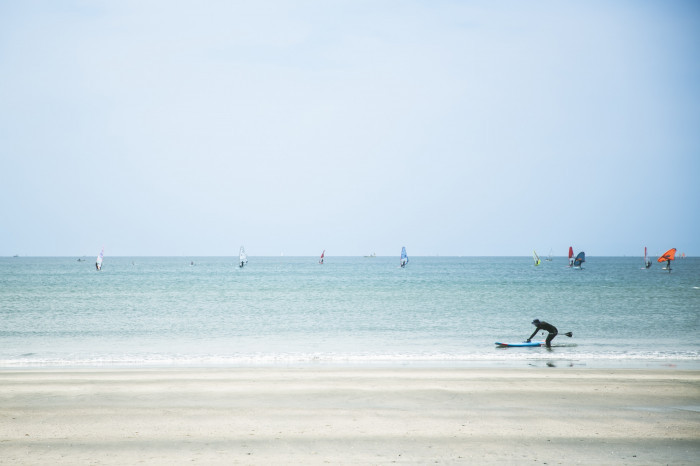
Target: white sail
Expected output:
[242,257]
[404,257]
[98,262]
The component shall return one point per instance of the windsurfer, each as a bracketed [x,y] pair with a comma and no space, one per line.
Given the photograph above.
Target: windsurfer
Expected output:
[668,257]
[541,325]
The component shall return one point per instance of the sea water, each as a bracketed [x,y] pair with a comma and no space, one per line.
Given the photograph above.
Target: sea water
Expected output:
[293,311]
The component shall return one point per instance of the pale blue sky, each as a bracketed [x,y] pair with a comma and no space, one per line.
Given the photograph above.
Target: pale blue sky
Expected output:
[448,127]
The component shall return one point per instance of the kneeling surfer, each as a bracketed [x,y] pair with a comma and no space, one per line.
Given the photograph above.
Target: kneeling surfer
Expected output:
[541,325]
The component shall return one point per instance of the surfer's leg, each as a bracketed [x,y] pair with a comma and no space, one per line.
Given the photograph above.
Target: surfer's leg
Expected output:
[550,337]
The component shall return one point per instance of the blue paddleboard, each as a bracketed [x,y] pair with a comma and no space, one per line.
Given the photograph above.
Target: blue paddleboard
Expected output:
[533,343]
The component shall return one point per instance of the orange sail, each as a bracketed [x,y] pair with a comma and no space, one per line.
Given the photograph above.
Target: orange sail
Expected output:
[668,255]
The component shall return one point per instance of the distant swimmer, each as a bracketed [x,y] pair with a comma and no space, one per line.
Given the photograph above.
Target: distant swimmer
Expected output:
[541,325]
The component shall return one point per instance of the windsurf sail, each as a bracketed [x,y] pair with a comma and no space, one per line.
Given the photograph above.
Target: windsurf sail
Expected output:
[404,257]
[242,257]
[536,258]
[647,262]
[580,259]
[98,262]
[322,255]
[667,257]
[571,256]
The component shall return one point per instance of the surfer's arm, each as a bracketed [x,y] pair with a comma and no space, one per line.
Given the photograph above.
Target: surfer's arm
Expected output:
[533,334]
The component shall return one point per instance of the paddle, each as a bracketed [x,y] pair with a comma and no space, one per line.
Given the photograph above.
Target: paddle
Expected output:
[568,334]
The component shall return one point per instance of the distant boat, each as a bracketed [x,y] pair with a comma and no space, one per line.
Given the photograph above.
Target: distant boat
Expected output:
[580,259]
[404,257]
[571,256]
[242,258]
[536,258]
[667,257]
[374,254]
[647,262]
[322,256]
[98,263]
[549,257]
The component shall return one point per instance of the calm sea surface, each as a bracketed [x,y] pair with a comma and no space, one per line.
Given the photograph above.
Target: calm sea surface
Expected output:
[445,311]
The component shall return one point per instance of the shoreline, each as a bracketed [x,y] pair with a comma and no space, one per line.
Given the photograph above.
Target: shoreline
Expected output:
[368,415]
[282,363]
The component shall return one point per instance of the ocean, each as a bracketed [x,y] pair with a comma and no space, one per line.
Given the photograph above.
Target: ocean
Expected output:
[292,311]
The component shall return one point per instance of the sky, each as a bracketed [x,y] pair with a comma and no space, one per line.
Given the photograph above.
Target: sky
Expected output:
[458,128]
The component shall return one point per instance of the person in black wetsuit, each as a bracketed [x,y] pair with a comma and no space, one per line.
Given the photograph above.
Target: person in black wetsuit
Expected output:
[541,325]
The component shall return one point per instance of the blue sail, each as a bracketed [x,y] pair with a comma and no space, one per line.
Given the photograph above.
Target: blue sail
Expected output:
[581,258]
[404,257]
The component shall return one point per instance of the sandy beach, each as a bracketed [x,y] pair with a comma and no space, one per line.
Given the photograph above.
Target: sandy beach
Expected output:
[350,416]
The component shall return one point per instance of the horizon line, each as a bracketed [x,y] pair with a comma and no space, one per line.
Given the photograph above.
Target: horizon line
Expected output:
[17,256]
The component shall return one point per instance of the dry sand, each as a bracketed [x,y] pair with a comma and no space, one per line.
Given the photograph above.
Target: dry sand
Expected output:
[350,416]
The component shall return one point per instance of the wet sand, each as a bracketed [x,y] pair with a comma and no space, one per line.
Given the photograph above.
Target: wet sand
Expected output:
[350,416]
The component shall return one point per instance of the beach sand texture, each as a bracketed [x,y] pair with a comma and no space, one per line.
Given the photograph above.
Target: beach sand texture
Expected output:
[350,416]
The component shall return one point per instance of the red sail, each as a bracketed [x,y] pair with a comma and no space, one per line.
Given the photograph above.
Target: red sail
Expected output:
[668,255]
[571,252]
